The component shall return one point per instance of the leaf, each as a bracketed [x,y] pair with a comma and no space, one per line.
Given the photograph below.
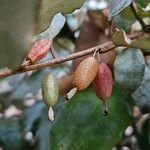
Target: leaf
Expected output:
[31,85]
[142,3]
[120,38]
[55,27]
[31,115]
[50,7]
[15,81]
[142,94]
[17,22]
[144,133]
[129,69]
[10,136]
[142,43]
[42,135]
[35,120]
[80,124]
[125,19]
[116,6]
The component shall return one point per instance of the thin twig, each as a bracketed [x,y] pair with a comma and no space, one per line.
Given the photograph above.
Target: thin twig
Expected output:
[52,51]
[137,15]
[101,48]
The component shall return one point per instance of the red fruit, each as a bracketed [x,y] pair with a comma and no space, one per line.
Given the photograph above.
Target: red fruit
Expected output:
[39,50]
[103,82]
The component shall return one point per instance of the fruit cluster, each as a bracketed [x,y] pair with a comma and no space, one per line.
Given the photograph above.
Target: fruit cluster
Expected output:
[88,71]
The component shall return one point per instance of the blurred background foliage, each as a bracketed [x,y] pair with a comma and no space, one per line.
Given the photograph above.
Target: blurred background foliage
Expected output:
[78,124]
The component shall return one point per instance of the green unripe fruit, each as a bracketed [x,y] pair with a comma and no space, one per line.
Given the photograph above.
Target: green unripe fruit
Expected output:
[50,90]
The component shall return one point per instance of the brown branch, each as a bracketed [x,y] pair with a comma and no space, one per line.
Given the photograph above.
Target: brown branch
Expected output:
[102,48]
[52,51]
[146,28]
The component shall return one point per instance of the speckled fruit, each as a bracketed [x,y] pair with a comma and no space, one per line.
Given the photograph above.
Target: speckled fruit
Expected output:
[85,73]
[129,68]
[50,90]
[103,82]
[38,50]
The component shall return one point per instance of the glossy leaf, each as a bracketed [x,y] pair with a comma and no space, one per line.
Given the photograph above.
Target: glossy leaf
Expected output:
[116,6]
[80,124]
[50,7]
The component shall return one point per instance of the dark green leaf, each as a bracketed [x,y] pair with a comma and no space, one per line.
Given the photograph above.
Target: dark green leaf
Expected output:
[144,133]
[125,19]
[142,3]
[80,124]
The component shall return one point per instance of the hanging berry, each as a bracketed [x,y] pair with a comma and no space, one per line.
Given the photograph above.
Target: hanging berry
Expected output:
[50,93]
[103,84]
[84,75]
[38,50]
